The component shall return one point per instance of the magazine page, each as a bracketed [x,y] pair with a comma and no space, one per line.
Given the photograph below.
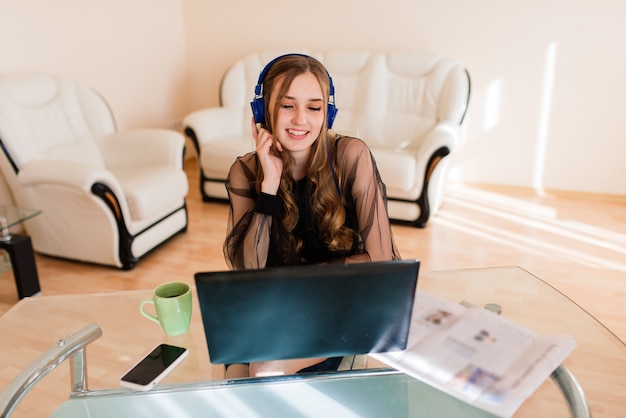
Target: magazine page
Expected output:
[476,355]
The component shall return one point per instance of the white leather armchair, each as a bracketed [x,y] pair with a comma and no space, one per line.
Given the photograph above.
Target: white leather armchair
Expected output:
[106,197]
[407,106]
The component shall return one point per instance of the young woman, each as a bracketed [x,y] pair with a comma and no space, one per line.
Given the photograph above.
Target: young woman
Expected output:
[307,195]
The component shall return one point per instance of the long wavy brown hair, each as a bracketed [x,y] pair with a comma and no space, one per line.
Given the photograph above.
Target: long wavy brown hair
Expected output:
[329,213]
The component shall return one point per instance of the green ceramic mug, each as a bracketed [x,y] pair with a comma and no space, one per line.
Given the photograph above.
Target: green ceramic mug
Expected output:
[172,302]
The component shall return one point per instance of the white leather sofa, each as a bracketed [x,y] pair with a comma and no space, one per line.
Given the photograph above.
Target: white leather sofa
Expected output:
[105,197]
[407,106]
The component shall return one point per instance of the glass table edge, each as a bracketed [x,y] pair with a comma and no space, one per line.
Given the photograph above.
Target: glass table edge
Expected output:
[539,279]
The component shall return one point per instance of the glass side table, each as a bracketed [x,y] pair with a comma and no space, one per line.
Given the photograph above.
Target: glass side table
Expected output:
[20,249]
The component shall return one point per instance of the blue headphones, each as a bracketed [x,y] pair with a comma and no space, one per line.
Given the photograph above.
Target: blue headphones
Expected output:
[258,103]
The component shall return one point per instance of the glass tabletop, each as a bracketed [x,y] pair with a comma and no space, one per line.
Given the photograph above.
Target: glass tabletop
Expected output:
[531,302]
[11,216]
[14,215]
[34,325]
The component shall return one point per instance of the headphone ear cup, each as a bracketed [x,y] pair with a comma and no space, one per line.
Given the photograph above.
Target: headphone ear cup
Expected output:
[258,110]
[330,115]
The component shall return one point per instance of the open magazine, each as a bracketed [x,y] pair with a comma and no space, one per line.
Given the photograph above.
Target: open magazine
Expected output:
[476,355]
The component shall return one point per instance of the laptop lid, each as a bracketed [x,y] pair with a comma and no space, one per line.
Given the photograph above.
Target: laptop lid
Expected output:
[307,311]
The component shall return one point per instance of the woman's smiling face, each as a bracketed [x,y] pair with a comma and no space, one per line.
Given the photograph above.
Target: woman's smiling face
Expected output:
[300,115]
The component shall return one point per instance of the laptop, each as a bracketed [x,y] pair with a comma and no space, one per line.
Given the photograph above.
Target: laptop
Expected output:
[307,311]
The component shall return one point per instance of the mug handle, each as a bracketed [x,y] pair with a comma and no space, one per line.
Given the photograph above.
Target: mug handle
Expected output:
[146,314]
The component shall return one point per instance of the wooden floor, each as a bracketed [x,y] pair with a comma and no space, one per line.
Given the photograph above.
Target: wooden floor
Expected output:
[576,243]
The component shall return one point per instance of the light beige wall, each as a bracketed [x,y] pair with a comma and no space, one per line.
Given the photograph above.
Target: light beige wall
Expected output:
[548,86]
[156,60]
[132,52]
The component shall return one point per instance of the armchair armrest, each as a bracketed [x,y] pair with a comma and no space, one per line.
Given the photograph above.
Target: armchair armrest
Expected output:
[70,174]
[143,147]
[73,176]
[444,134]
[215,122]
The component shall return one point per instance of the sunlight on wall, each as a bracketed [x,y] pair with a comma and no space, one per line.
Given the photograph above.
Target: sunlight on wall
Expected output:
[544,116]
[492,105]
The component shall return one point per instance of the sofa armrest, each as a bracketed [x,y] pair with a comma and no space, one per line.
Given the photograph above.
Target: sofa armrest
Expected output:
[69,174]
[215,122]
[143,147]
[444,134]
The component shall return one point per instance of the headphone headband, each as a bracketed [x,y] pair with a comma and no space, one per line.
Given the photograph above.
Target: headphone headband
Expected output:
[258,103]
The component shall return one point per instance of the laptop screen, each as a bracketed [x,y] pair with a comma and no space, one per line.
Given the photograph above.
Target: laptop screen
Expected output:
[307,311]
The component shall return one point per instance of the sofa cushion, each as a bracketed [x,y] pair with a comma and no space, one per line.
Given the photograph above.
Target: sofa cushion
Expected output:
[151,190]
[216,163]
[398,170]
[77,151]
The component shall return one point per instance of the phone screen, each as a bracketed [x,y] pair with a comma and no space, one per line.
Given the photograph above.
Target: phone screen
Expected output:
[154,364]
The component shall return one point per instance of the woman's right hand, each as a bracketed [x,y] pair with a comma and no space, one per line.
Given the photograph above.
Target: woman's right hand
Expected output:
[268,150]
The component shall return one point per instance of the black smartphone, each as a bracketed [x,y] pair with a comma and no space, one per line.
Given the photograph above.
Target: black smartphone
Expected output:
[153,367]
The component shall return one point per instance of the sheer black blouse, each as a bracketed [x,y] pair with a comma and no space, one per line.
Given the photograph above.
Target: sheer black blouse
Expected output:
[255,236]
